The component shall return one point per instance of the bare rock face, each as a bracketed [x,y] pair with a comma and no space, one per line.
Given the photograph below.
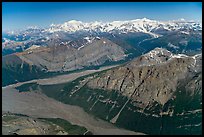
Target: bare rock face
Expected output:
[67,57]
[155,76]
[38,61]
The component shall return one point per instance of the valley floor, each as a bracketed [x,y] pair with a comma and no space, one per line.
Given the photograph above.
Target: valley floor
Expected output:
[61,78]
[36,104]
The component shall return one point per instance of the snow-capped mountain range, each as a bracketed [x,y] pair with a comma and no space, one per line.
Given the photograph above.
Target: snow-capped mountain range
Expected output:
[139,33]
[138,25]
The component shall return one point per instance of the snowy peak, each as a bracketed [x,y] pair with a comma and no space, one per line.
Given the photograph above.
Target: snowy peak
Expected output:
[74,22]
[157,52]
[138,25]
[158,56]
[145,19]
[162,52]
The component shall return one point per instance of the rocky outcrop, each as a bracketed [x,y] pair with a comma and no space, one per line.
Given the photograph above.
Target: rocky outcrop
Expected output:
[154,76]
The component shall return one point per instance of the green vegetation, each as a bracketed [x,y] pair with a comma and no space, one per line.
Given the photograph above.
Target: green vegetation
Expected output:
[20,115]
[27,87]
[8,118]
[14,74]
[67,126]
[11,116]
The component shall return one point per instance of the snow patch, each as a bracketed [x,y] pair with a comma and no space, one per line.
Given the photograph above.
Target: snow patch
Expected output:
[89,39]
[33,47]
[184,32]
[179,56]
[98,38]
[172,46]
[80,47]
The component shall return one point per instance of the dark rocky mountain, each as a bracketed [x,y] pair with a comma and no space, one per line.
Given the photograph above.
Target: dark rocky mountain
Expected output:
[157,93]
[177,42]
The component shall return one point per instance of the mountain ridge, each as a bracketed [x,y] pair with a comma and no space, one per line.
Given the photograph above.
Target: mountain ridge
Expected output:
[77,25]
[137,25]
[148,94]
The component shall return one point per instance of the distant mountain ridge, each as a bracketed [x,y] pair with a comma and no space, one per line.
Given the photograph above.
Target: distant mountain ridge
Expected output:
[76,45]
[125,33]
[137,25]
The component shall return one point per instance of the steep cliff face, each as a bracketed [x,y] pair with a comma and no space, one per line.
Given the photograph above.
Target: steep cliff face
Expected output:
[154,76]
[157,93]
[157,87]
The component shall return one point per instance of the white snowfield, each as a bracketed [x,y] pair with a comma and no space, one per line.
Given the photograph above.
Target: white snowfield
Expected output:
[154,56]
[138,25]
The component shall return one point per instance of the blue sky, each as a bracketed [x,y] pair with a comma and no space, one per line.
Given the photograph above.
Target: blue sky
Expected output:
[18,15]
